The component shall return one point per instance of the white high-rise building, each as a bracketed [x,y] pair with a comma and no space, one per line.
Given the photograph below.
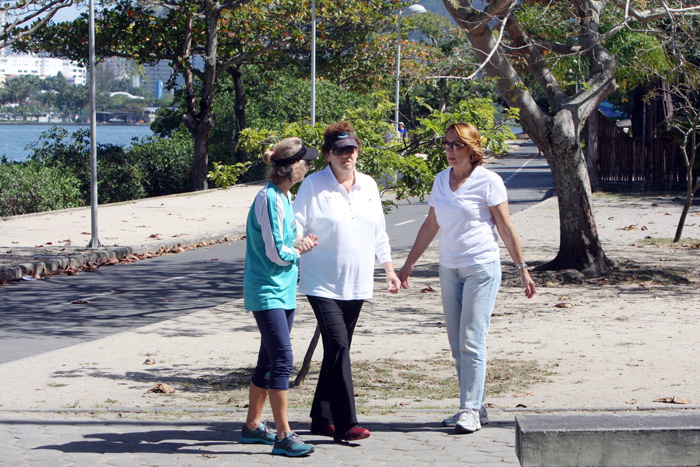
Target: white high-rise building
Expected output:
[12,65]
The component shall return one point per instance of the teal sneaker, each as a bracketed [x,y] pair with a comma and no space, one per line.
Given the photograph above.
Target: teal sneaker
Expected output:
[263,434]
[292,446]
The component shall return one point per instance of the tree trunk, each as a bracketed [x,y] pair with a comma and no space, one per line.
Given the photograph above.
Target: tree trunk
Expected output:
[579,245]
[690,156]
[592,150]
[200,164]
[239,110]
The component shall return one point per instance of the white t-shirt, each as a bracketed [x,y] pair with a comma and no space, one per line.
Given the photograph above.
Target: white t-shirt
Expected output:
[468,230]
[351,232]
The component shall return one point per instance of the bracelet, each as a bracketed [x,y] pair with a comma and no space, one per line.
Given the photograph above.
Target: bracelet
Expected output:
[520,266]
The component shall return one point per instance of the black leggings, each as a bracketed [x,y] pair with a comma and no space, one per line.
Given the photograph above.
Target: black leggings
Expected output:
[275,358]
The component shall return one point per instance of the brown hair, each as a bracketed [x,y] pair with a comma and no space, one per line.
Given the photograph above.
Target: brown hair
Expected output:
[288,147]
[338,127]
[469,135]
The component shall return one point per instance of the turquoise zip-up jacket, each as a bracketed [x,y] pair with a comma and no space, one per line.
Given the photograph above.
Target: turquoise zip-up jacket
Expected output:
[271,262]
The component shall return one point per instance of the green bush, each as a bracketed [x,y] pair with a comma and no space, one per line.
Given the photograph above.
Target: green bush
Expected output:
[120,175]
[153,166]
[35,187]
[166,163]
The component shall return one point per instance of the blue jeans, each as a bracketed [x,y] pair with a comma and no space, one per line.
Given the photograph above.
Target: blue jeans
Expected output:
[468,298]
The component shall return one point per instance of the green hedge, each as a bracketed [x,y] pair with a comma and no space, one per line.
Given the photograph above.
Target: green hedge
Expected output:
[35,187]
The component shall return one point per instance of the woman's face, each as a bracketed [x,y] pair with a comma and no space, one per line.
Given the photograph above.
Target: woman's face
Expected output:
[458,154]
[343,159]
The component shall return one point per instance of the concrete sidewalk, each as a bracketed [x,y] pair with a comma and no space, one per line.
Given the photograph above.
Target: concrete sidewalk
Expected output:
[36,244]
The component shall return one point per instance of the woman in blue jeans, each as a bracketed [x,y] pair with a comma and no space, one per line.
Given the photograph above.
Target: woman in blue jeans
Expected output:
[470,204]
[273,247]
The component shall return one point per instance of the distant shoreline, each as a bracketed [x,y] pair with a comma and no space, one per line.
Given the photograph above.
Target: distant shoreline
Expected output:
[72,123]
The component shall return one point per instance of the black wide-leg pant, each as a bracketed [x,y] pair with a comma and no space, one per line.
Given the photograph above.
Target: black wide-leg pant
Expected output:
[334,401]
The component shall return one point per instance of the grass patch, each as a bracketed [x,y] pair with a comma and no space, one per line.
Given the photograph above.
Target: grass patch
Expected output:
[687,242]
[378,383]
[504,375]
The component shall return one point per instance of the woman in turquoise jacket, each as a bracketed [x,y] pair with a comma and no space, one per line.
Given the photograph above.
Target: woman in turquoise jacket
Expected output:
[273,247]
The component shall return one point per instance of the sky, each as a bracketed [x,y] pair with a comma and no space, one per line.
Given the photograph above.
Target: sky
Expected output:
[68,14]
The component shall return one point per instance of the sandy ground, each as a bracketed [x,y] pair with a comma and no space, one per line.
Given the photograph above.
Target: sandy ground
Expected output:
[621,342]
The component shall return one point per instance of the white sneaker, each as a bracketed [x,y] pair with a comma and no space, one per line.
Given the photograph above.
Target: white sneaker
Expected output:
[468,422]
[452,421]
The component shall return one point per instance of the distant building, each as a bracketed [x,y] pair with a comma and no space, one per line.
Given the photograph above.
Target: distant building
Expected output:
[13,65]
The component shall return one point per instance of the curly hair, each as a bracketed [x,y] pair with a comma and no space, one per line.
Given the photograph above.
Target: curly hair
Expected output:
[338,127]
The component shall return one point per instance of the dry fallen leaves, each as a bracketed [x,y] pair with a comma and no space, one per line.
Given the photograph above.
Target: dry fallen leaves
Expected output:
[564,305]
[428,289]
[150,361]
[161,388]
[630,227]
[672,400]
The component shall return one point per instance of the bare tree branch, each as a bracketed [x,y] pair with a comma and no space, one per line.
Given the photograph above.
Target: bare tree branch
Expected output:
[22,19]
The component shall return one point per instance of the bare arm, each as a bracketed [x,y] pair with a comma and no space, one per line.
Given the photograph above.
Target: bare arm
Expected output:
[425,236]
[506,230]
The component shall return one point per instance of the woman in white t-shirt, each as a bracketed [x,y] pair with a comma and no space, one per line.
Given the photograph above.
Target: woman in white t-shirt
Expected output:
[343,207]
[469,203]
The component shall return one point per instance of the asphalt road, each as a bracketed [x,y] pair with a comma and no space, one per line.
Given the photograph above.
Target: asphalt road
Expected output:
[39,316]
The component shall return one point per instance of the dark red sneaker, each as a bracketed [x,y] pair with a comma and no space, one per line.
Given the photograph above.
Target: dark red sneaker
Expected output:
[353,434]
[322,429]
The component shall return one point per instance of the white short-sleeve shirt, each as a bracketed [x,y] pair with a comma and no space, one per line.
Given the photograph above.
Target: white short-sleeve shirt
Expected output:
[468,230]
[351,233]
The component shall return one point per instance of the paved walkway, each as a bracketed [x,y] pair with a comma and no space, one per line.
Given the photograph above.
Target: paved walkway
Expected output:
[407,439]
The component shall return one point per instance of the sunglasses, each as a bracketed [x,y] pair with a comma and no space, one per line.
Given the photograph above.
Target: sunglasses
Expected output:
[453,145]
[344,151]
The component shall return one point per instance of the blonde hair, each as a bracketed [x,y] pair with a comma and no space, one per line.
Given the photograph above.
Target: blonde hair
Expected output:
[286,148]
[469,135]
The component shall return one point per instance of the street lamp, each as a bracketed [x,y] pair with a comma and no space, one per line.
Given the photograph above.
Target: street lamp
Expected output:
[94,239]
[313,63]
[412,10]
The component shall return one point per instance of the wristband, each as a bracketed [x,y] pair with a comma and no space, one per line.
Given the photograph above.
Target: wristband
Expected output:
[520,266]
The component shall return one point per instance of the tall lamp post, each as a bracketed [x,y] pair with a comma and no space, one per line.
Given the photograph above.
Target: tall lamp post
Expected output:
[94,239]
[411,10]
[313,62]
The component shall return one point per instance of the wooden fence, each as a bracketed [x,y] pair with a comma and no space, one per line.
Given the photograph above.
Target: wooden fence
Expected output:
[651,162]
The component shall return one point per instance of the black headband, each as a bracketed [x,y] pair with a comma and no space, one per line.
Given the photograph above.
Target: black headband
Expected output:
[292,159]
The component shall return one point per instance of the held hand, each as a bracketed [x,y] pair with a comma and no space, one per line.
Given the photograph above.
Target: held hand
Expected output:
[528,283]
[404,273]
[307,244]
[392,282]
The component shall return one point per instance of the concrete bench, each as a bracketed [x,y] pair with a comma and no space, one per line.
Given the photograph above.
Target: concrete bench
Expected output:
[610,438]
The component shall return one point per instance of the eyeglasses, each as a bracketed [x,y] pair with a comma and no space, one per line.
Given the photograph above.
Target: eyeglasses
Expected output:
[453,145]
[344,151]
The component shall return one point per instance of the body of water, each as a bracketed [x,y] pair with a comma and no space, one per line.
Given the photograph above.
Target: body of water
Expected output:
[15,138]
